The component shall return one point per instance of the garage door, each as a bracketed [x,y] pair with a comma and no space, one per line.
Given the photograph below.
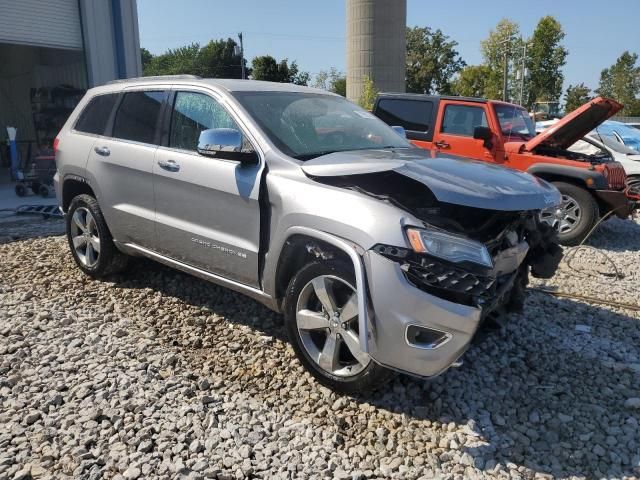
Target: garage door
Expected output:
[52,23]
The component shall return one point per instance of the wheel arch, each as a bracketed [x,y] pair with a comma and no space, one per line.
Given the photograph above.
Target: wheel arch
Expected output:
[303,245]
[72,187]
[581,177]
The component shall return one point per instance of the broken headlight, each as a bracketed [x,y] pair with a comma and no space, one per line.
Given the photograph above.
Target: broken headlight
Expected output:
[448,247]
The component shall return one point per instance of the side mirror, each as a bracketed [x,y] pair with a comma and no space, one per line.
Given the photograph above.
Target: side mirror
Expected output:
[400,131]
[225,143]
[485,134]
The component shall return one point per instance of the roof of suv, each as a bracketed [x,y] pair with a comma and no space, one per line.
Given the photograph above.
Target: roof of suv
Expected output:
[229,84]
[423,96]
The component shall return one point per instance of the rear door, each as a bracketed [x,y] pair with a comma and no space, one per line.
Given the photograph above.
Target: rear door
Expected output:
[454,132]
[414,115]
[207,211]
[121,164]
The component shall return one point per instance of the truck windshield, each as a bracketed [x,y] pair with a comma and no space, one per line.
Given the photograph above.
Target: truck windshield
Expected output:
[515,121]
[309,125]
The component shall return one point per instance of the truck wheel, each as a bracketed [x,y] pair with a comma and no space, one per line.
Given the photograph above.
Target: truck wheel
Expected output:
[321,315]
[575,216]
[90,241]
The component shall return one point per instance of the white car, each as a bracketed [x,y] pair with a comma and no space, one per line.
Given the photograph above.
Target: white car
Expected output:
[597,144]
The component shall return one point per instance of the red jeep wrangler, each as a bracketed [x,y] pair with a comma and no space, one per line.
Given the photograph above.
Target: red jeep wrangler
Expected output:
[503,133]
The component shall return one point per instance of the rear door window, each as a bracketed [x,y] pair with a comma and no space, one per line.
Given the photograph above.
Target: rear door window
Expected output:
[462,120]
[137,116]
[94,117]
[412,115]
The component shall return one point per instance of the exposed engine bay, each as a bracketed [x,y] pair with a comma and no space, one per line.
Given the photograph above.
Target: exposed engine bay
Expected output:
[517,241]
[595,158]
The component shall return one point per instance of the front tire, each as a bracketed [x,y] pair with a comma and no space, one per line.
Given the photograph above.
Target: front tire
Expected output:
[90,241]
[321,315]
[576,215]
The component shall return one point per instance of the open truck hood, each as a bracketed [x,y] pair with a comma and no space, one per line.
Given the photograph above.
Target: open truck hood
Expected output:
[576,125]
[453,180]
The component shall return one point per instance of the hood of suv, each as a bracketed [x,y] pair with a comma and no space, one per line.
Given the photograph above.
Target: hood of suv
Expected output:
[451,179]
[576,125]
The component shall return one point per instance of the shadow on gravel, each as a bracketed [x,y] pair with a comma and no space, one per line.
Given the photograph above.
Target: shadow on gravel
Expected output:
[617,235]
[536,394]
[13,231]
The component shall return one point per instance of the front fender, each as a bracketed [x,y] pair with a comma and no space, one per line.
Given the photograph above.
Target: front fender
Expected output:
[597,179]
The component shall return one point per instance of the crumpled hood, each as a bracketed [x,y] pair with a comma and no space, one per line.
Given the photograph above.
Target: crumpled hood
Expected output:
[571,128]
[451,179]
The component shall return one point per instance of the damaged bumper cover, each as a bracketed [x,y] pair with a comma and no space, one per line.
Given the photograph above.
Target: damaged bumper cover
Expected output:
[427,310]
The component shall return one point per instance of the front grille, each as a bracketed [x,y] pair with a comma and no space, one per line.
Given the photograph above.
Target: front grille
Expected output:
[457,285]
[615,175]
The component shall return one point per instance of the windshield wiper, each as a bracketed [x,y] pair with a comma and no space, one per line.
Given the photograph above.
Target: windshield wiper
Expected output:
[309,156]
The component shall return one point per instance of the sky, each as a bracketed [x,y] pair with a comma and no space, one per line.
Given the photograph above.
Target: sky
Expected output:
[313,33]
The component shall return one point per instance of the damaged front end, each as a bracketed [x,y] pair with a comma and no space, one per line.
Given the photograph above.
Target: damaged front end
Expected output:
[516,242]
[430,298]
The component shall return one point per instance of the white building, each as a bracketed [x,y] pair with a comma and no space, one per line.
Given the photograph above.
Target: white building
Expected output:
[59,48]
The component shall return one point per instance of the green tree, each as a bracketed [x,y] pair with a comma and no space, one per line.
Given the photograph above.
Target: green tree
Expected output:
[369,94]
[545,59]
[145,59]
[339,86]
[621,81]
[576,96]
[471,81]
[504,38]
[267,68]
[432,61]
[217,59]
[332,80]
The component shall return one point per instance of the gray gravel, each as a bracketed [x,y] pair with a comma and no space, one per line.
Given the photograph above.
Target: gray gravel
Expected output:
[160,375]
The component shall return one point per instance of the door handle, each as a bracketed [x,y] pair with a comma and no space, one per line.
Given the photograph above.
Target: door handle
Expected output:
[102,151]
[442,144]
[169,165]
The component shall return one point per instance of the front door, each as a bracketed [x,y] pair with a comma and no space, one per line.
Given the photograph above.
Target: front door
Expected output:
[454,133]
[122,164]
[207,211]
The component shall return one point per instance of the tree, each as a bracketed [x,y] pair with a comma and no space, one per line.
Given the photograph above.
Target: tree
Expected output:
[621,81]
[333,81]
[504,38]
[267,68]
[145,58]
[545,59]
[576,96]
[369,94]
[432,61]
[217,59]
[471,81]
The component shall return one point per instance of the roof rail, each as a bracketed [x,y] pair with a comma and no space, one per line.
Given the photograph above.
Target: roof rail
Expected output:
[155,77]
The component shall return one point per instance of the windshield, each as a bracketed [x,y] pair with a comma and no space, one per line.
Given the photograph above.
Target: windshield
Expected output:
[613,143]
[308,125]
[515,121]
[623,133]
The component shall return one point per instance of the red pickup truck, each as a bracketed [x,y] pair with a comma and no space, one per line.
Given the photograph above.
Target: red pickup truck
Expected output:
[503,133]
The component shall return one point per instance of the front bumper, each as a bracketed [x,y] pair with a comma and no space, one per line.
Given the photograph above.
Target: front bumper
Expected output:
[397,304]
[616,201]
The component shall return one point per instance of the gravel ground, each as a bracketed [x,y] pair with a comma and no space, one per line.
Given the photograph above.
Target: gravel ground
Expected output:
[160,375]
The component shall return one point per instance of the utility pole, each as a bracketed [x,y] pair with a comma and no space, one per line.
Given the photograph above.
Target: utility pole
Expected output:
[241,55]
[506,68]
[523,73]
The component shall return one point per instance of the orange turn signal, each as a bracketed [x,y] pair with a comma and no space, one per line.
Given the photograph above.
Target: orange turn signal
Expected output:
[415,241]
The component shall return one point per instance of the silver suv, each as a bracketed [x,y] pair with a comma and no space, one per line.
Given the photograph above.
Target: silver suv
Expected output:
[379,255]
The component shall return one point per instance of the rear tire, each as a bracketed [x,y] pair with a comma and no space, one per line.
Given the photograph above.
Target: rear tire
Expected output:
[90,241]
[577,215]
[316,331]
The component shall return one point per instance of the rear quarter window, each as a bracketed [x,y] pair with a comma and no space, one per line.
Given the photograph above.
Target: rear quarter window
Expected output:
[95,115]
[413,115]
[137,116]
